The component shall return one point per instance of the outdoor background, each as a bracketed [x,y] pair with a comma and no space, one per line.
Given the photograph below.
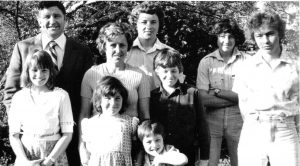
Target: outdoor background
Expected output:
[187,29]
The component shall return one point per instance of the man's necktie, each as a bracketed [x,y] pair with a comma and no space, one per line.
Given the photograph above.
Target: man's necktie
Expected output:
[52,45]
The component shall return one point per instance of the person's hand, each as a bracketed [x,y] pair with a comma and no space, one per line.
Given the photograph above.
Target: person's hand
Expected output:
[32,162]
[202,163]
[211,92]
[47,162]
[156,160]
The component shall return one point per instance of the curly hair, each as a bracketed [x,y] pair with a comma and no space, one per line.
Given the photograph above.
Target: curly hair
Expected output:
[148,7]
[111,30]
[259,19]
[229,26]
[42,60]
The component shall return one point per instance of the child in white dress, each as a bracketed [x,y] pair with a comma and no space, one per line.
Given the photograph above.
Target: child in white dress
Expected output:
[157,153]
[106,137]
[40,119]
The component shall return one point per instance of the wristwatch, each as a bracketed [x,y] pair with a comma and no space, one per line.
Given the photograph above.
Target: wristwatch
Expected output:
[217,91]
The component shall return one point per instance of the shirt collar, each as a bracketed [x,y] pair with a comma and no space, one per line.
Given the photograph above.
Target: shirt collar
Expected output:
[61,41]
[285,57]
[236,54]
[157,45]
[178,90]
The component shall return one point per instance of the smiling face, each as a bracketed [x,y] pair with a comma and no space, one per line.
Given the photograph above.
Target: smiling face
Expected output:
[153,144]
[147,26]
[39,77]
[226,42]
[111,105]
[116,49]
[52,22]
[168,76]
[267,39]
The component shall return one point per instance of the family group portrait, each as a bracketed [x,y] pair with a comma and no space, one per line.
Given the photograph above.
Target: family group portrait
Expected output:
[149,83]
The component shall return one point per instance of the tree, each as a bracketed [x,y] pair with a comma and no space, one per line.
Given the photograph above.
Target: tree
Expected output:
[187,28]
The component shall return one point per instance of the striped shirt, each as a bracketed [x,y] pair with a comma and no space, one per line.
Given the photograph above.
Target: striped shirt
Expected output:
[132,78]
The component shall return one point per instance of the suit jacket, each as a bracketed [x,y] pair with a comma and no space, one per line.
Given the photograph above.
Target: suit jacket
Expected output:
[77,59]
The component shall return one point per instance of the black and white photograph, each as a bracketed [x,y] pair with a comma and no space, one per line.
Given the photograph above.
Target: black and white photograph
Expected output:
[149,83]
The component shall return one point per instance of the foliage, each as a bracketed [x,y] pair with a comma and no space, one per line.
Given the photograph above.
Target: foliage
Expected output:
[187,28]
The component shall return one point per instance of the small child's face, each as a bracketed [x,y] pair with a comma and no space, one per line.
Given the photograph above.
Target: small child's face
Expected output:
[168,76]
[153,144]
[39,77]
[111,105]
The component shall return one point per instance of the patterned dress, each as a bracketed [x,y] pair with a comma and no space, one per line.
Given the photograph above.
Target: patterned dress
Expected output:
[108,139]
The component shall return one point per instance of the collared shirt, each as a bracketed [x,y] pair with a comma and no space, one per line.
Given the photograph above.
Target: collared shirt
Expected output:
[60,49]
[214,72]
[139,57]
[272,90]
[46,116]
[182,115]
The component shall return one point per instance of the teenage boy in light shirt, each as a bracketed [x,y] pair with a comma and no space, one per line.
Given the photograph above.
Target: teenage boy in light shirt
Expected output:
[148,19]
[269,98]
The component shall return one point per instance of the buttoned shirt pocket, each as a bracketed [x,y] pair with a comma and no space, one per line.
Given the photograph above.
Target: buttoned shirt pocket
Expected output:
[216,81]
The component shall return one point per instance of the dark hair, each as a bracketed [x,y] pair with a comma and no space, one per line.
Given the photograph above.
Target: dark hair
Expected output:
[148,128]
[271,19]
[147,7]
[111,30]
[167,58]
[109,86]
[42,60]
[229,26]
[47,4]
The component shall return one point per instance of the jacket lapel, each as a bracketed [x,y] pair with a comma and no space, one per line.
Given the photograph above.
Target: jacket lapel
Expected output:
[36,44]
[69,56]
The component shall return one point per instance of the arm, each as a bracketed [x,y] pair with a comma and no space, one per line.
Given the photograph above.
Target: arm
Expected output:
[203,83]
[210,100]
[202,127]
[144,108]
[83,152]
[173,157]
[226,94]
[58,149]
[17,147]
[144,98]
[13,73]
[85,112]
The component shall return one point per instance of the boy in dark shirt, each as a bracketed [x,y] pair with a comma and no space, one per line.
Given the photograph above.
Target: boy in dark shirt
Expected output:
[178,107]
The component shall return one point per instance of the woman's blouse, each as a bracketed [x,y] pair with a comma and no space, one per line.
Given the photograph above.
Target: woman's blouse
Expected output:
[47,116]
[132,78]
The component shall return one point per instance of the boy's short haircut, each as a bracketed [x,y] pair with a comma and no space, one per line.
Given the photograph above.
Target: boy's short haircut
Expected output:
[47,4]
[148,7]
[148,128]
[168,58]
[109,86]
[273,20]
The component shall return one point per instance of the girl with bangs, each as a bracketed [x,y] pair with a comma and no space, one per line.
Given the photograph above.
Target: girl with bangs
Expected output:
[40,119]
[106,136]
